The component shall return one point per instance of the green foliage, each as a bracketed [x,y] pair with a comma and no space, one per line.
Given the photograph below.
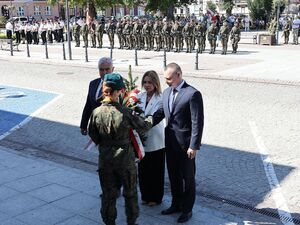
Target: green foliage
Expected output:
[228,6]
[3,20]
[212,6]
[260,9]
[130,84]
[279,3]
[3,36]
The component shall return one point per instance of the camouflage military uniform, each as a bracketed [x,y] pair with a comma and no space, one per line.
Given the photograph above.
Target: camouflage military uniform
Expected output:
[109,129]
[187,34]
[177,34]
[166,32]
[110,30]
[224,34]
[127,31]
[235,37]
[199,33]
[99,33]
[119,31]
[157,34]
[212,33]
[286,31]
[85,32]
[76,32]
[146,31]
[137,32]
[92,32]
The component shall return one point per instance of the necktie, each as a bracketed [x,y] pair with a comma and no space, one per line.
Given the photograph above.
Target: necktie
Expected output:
[173,99]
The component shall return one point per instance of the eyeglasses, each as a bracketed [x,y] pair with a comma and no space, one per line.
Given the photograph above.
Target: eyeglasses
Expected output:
[107,69]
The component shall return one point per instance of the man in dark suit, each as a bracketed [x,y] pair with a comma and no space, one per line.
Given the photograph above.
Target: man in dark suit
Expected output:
[183,110]
[95,90]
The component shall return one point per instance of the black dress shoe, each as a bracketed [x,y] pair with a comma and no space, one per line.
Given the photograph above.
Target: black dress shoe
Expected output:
[184,217]
[171,210]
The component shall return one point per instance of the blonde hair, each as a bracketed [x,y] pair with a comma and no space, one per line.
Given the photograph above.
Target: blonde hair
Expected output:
[155,80]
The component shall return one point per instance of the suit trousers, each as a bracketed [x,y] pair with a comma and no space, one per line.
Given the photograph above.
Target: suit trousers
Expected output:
[151,173]
[181,172]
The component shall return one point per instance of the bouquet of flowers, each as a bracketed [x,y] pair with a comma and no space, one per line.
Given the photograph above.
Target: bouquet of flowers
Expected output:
[130,100]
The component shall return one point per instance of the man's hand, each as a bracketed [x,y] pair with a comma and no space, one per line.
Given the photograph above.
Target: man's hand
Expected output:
[83,131]
[191,153]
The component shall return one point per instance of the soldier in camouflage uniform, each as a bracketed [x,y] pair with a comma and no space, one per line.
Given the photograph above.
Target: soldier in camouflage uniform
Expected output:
[127,31]
[177,35]
[166,33]
[76,32]
[137,33]
[157,34]
[286,30]
[235,37]
[99,33]
[199,33]
[92,33]
[224,35]
[85,32]
[187,33]
[110,30]
[212,33]
[109,129]
[119,32]
[146,31]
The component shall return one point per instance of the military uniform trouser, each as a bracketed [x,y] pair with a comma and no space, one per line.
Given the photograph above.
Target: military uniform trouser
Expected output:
[100,39]
[137,40]
[110,179]
[212,43]
[85,40]
[224,44]
[77,39]
[121,40]
[286,37]
[295,35]
[235,45]
[111,38]
[157,42]
[188,42]
[177,43]
[129,41]
[200,44]
[93,39]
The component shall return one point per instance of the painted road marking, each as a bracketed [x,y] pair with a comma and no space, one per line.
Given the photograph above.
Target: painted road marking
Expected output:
[19,105]
[282,208]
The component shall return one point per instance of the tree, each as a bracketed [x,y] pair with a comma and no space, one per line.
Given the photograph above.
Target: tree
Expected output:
[260,9]
[212,6]
[228,6]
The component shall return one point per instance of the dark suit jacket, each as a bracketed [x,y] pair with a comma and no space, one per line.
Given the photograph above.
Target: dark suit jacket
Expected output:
[186,119]
[91,103]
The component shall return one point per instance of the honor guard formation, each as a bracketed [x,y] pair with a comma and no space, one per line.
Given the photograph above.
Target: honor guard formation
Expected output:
[156,34]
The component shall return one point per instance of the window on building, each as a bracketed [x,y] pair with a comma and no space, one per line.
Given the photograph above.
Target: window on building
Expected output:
[131,12]
[20,11]
[181,11]
[48,11]
[141,11]
[121,12]
[36,10]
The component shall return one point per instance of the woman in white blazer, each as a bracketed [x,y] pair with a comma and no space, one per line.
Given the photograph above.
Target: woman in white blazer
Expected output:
[151,169]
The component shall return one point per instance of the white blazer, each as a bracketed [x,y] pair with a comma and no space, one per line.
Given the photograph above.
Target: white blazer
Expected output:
[156,135]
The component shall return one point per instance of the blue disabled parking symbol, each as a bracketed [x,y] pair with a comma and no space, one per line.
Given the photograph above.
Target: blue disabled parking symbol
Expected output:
[17,105]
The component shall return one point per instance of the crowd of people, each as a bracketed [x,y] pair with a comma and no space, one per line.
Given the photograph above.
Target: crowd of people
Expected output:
[172,122]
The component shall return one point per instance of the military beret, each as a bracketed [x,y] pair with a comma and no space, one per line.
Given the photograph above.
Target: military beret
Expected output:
[114,80]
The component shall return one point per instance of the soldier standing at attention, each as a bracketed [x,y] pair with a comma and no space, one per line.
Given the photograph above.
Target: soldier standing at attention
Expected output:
[157,34]
[110,30]
[235,37]
[286,30]
[199,33]
[146,31]
[76,32]
[224,34]
[92,32]
[137,32]
[85,32]
[212,33]
[187,34]
[99,33]
[109,129]
[119,31]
